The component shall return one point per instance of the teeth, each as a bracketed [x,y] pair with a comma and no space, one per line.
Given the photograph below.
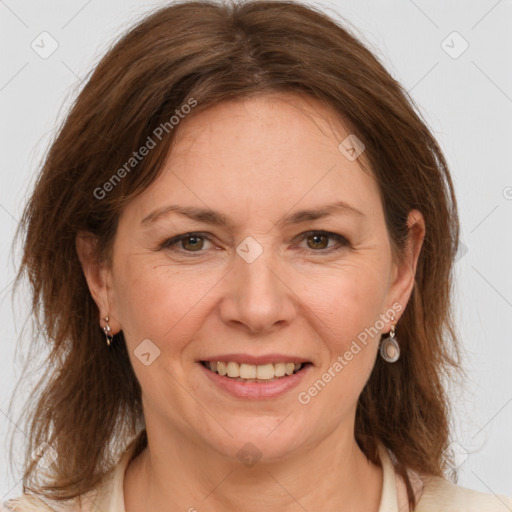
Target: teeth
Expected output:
[247,371]
[279,369]
[233,369]
[253,372]
[265,371]
[221,368]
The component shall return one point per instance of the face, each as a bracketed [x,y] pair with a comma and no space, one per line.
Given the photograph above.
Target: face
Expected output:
[267,285]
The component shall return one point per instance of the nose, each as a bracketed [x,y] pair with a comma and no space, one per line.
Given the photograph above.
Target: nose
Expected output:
[258,296]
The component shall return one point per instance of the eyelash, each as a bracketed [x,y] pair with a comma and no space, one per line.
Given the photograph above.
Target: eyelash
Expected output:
[169,243]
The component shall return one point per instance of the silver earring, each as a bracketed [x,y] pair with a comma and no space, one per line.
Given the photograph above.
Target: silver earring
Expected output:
[108,332]
[389,348]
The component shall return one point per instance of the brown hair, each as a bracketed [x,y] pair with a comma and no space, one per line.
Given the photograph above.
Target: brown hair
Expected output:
[90,399]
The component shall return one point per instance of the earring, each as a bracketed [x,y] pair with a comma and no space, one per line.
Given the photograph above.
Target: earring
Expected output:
[389,348]
[108,332]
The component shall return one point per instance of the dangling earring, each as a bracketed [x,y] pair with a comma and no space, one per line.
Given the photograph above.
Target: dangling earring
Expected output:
[108,332]
[389,348]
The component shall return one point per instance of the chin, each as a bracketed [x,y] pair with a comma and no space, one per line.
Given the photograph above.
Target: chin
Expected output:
[262,439]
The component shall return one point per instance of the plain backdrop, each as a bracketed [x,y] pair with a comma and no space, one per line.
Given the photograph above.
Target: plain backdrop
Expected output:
[453,57]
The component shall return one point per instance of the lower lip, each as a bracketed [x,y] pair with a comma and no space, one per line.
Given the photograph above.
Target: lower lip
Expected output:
[255,390]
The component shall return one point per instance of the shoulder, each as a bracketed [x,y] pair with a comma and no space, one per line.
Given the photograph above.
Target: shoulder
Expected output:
[31,503]
[107,496]
[26,503]
[439,493]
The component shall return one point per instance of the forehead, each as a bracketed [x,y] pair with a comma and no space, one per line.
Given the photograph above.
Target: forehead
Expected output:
[262,154]
[273,123]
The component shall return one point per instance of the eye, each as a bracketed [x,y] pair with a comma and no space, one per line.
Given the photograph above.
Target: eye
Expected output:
[190,242]
[317,241]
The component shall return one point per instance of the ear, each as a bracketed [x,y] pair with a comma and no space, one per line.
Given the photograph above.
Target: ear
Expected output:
[404,271]
[98,277]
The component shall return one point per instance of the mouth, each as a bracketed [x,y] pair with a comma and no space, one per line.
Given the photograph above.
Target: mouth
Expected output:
[255,373]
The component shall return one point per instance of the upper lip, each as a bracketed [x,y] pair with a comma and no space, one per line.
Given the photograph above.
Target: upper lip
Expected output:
[257,360]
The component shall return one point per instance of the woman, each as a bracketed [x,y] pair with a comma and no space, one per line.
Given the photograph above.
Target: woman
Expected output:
[240,247]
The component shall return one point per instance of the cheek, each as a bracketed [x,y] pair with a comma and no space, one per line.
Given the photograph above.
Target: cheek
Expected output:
[347,301]
[348,304]
[160,302]
[348,324]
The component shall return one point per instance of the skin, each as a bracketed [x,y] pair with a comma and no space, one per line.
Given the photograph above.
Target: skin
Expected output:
[255,160]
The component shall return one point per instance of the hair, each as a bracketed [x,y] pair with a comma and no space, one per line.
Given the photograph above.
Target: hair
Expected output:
[89,400]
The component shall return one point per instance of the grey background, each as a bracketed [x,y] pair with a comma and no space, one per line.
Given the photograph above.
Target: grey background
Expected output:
[466,100]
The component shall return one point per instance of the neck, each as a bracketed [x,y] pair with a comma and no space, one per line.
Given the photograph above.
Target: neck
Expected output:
[175,472]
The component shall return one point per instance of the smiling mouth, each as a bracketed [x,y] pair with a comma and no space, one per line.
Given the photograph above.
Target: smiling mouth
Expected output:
[261,373]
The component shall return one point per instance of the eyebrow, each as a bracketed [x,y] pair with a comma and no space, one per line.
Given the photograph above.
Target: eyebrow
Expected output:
[216,218]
